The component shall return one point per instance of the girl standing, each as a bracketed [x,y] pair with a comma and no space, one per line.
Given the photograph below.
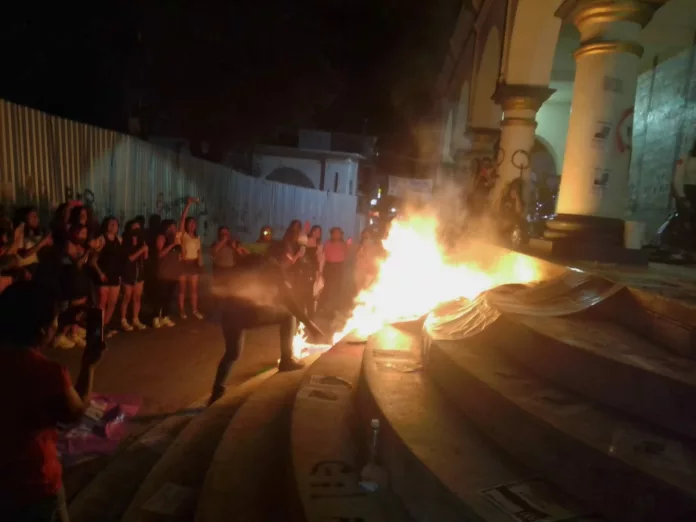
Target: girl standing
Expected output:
[135,252]
[108,265]
[191,262]
[335,254]
[168,245]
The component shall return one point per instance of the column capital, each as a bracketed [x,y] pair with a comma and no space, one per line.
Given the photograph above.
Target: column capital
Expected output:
[516,97]
[586,12]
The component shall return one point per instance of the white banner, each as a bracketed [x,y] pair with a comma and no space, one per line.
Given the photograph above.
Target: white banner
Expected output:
[403,187]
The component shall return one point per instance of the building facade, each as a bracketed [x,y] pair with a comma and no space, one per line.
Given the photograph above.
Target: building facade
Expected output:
[599,92]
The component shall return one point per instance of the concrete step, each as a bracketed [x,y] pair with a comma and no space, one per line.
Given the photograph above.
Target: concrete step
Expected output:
[327,453]
[605,362]
[107,495]
[624,468]
[439,463]
[170,490]
[247,479]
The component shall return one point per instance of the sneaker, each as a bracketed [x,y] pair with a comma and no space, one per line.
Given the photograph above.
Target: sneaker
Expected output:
[166,321]
[197,315]
[125,326]
[138,325]
[289,365]
[183,315]
[110,333]
[63,342]
[156,322]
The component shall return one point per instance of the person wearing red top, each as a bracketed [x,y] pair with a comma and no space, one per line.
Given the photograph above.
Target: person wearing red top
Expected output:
[335,254]
[31,487]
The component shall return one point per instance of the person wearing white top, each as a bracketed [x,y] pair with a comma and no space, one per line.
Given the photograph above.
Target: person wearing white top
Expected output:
[191,261]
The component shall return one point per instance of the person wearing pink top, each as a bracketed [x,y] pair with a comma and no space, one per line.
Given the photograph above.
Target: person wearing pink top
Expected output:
[335,254]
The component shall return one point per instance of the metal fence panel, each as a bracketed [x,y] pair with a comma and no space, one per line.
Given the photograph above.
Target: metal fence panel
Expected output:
[45,159]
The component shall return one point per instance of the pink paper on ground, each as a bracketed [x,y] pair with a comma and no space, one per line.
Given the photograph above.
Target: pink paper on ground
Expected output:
[88,437]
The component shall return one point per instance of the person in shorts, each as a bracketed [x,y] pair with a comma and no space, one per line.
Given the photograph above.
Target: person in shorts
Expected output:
[191,262]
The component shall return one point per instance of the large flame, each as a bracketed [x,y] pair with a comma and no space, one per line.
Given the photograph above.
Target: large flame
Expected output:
[417,275]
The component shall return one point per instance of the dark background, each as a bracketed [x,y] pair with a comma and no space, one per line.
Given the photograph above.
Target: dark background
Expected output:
[230,72]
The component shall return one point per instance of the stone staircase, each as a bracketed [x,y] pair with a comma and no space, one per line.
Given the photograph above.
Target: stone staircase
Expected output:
[569,400]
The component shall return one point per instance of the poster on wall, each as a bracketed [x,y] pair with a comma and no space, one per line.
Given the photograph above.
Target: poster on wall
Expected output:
[600,180]
[601,134]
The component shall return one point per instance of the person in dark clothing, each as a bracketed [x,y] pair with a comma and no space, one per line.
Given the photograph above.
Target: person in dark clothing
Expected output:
[151,233]
[108,267]
[257,294]
[168,270]
[135,253]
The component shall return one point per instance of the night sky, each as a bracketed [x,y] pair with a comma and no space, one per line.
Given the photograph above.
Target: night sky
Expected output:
[228,71]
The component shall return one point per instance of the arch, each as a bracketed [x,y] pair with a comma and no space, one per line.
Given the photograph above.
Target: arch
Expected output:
[462,116]
[290,176]
[485,112]
[543,159]
[532,43]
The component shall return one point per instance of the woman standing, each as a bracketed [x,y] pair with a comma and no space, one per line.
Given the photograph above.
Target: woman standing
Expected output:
[191,262]
[135,253]
[309,271]
[108,266]
[335,254]
[168,246]
[75,285]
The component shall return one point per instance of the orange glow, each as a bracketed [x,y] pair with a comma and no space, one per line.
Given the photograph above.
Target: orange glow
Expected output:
[417,275]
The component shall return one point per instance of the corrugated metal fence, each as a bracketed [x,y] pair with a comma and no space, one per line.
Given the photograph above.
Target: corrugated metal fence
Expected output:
[45,160]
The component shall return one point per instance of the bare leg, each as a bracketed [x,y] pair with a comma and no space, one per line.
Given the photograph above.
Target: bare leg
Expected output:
[113,292]
[182,294]
[103,298]
[137,299]
[193,289]
[127,294]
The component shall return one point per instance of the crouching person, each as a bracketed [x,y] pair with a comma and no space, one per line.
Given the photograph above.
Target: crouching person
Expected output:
[257,294]
[38,395]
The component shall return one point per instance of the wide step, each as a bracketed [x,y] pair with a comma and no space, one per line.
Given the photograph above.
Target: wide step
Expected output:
[325,444]
[170,491]
[606,362]
[247,480]
[623,467]
[439,463]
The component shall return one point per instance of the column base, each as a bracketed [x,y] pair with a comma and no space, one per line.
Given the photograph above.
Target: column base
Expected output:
[572,237]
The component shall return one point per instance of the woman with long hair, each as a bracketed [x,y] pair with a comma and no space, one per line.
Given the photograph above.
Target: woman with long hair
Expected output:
[191,262]
[135,253]
[108,267]
[168,252]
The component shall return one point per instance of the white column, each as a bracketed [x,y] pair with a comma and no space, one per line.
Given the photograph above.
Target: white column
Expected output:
[594,184]
[520,105]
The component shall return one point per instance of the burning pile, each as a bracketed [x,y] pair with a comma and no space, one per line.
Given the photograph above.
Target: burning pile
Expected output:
[417,275]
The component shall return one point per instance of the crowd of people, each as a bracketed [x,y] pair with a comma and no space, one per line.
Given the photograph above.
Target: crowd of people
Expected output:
[133,271]
[51,275]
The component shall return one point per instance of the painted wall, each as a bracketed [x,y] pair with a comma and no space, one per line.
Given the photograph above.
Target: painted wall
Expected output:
[45,160]
[341,176]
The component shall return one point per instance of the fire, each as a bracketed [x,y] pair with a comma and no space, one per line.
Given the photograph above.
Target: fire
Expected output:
[417,275]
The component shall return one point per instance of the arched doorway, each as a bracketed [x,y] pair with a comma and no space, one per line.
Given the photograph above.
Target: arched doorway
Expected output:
[290,176]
